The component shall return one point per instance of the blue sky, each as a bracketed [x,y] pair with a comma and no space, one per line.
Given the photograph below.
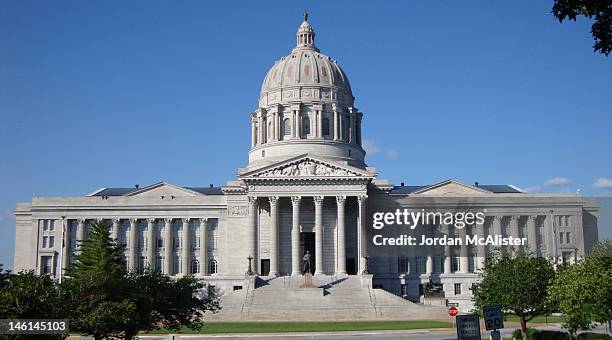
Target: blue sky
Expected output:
[111,93]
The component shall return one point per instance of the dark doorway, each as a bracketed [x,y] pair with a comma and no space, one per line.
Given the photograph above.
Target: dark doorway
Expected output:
[351,268]
[307,242]
[265,267]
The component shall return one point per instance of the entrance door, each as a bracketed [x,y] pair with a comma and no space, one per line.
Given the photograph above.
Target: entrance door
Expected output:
[351,268]
[307,242]
[265,267]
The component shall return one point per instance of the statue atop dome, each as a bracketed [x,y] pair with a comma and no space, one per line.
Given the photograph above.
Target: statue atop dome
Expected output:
[305,15]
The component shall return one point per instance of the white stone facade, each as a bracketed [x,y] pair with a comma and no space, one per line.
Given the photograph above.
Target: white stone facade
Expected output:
[303,189]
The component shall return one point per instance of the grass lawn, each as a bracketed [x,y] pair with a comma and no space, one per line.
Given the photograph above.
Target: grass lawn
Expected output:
[538,319]
[281,327]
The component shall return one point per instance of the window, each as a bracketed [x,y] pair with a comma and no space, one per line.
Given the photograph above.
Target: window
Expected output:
[567,238]
[438,264]
[471,264]
[141,264]
[403,264]
[212,267]
[325,126]
[305,126]
[421,264]
[177,265]
[195,267]
[159,263]
[47,264]
[160,242]
[287,127]
[237,287]
[454,264]
[457,288]
[561,237]
[52,241]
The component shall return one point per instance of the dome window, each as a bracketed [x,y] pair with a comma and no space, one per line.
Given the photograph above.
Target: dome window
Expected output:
[305,126]
[325,126]
[287,127]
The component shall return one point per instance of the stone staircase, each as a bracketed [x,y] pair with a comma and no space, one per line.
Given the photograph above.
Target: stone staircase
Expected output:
[343,298]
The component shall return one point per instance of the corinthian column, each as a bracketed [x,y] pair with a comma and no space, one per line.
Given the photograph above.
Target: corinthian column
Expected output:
[481,250]
[151,243]
[361,234]
[133,259]
[168,245]
[115,229]
[80,236]
[497,229]
[513,228]
[463,252]
[274,236]
[341,260]
[318,200]
[252,232]
[66,245]
[336,124]
[295,235]
[203,247]
[186,250]
[532,238]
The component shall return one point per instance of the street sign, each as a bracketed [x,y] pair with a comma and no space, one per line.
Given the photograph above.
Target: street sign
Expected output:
[453,311]
[495,335]
[493,317]
[468,327]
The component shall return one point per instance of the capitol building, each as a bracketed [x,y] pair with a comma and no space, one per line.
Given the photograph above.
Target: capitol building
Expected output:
[306,188]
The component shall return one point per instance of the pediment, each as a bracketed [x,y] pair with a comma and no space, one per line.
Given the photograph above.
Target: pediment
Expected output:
[163,189]
[307,167]
[451,187]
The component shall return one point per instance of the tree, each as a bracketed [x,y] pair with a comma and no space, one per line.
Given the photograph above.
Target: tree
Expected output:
[28,296]
[517,283]
[600,10]
[95,289]
[583,291]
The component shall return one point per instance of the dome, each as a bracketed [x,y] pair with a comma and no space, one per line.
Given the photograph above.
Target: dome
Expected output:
[305,75]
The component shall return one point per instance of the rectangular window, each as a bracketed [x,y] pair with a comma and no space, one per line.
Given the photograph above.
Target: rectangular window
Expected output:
[403,265]
[568,238]
[47,264]
[141,264]
[454,264]
[457,288]
[51,242]
[561,237]
[177,265]
[160,242]
[421,264]
[44,242]
[51,225]
[159,264]
[471,264]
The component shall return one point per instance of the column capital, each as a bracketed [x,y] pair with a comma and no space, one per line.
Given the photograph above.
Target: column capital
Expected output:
[340,199]
[318,199]
[81,221]
[295,200]
[133,220]
[273,200]
[151,220]
[116,221]
[497,218]
[203,220]
[531,218]
[252,200]
[514,218]
[168,220]
[362,198]
[99,219]
[186,220]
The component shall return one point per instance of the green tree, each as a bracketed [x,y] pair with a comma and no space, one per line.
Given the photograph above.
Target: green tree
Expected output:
[95,290]
[598,10]
[583,291]
[518,283]
[28,296]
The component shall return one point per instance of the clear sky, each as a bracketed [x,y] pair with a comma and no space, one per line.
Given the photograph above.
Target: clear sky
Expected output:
[114,93]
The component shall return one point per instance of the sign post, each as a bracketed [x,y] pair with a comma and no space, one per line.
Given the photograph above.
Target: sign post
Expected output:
[494,320]
[453,311]
[468,327]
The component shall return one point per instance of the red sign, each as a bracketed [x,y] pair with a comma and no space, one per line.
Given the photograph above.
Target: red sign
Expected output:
[453,311]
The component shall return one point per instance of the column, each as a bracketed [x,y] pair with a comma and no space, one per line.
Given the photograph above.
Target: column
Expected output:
[319,123]
[298,124]
[295,235]
[80,236]
[513,228]
[353,129]
[168,245]
[151,243]
[447,251]
[429,265]
[66,245]
[276,126]
[115,229]
[532,237]
[253,131]
[463,252]
[274,236]
[186,249]
[497,229]
[481,250]
[252,232]
[361,234]
[294,132]
[203,255]
[133,259]
[341,260]
[336,124]
[318,200]
[262,128]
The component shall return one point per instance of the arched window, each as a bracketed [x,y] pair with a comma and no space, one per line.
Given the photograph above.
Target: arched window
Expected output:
[287,127]
[305,126]
[212,267]
[325,126]
[195,267]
